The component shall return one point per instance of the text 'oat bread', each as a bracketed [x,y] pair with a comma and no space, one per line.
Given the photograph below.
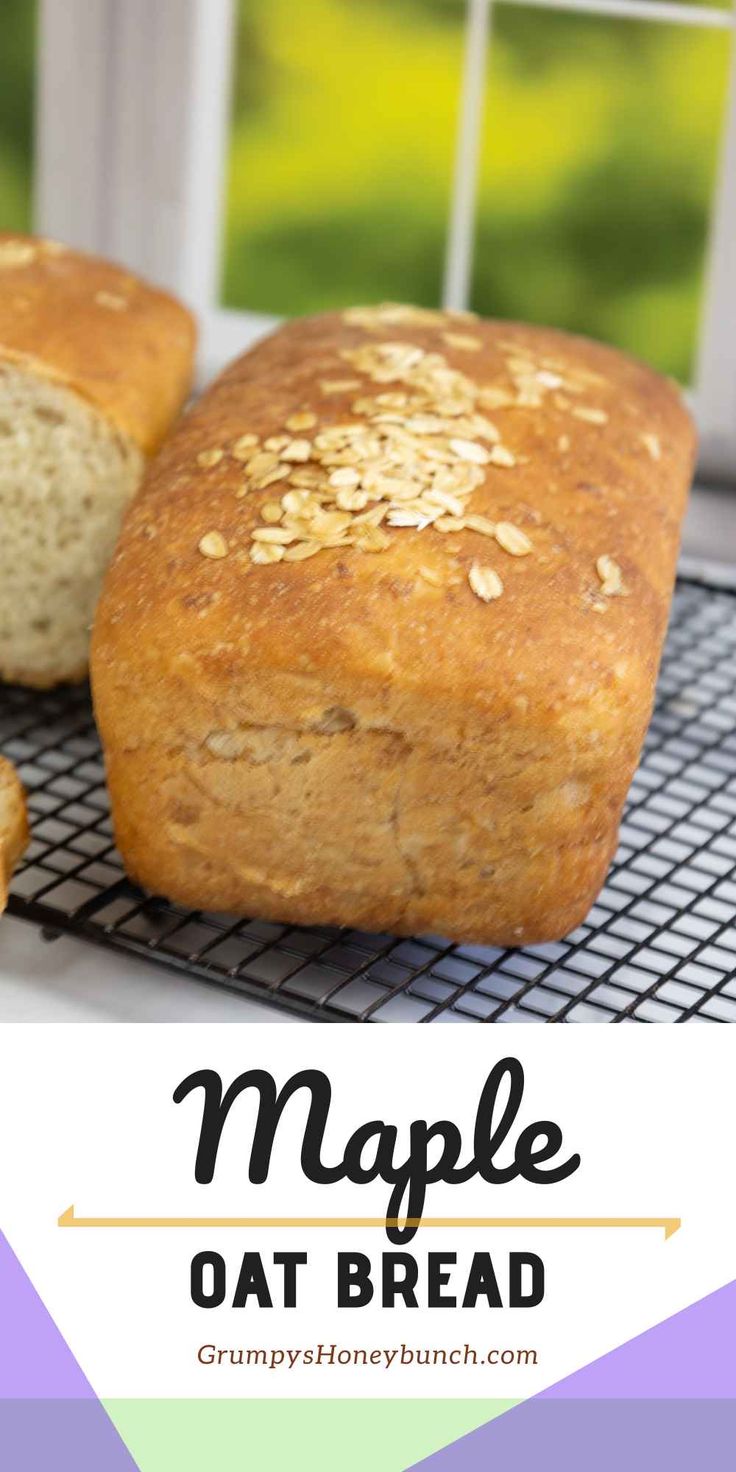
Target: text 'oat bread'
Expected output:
[94,367]
[379,642]
[14,834]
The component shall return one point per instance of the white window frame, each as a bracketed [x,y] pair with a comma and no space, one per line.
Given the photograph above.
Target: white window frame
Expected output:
[132,136]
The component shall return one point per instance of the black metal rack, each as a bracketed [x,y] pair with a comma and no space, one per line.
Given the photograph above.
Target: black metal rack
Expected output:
[658,946]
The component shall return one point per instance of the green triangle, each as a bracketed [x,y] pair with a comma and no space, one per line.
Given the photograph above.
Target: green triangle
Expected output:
[293,1435]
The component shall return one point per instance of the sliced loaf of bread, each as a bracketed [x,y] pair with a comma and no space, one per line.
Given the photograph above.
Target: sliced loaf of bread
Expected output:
[94,367]
[13,826]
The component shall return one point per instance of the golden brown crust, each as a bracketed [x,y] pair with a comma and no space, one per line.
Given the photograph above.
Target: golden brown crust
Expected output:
[14,833]
[121,344]
[475,784]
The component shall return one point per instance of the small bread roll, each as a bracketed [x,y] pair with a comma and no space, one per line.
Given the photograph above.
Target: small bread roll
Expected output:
[14,833]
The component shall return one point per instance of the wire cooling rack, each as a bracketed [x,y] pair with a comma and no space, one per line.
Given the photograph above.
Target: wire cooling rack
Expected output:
[658,946]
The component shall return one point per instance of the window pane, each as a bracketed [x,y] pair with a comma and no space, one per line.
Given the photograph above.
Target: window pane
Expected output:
[598,168]
[17,57]
[342,147]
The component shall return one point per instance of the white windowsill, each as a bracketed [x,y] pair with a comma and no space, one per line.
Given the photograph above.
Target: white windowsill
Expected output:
[709,535]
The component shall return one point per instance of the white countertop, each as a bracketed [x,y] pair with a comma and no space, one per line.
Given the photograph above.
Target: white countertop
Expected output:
[69,980]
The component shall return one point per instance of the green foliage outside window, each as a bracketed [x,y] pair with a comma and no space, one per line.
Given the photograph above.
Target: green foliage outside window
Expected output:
[17,65]
[598,164]
[599,156]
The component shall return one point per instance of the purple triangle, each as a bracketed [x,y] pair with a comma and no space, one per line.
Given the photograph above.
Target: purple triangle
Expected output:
[598,1436]
[673,1388]
[35,1362]
[49,1414]
[691,1356]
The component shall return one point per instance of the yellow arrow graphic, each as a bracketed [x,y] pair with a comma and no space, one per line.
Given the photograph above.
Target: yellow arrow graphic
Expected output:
[668,1224]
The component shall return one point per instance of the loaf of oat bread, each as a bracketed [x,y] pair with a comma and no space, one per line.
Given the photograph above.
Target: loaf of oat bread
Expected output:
[13,826]
[94,366]
[379,642]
